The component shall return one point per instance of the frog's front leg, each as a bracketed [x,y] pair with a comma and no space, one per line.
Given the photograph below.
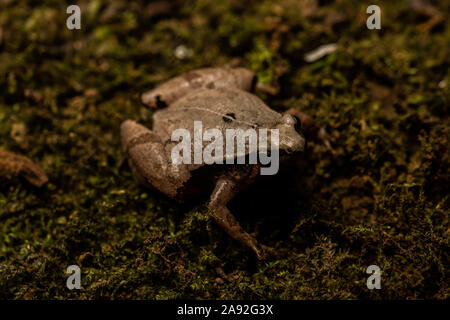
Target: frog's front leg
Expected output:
[224,191]
[148,160]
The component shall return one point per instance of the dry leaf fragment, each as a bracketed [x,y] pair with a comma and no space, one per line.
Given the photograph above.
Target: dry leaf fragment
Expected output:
[13,165]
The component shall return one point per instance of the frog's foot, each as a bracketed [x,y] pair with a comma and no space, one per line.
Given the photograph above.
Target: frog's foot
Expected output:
[311,129]
[148,161]
[224,191]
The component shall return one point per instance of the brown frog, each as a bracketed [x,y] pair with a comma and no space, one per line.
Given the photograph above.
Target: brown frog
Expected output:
[221,98]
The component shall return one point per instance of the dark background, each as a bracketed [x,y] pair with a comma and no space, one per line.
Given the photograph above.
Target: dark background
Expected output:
[380,198]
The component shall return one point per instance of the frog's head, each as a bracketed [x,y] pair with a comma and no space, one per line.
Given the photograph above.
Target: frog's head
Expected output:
[291,141]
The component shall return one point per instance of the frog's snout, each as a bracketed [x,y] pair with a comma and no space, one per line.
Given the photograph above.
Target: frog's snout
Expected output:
[291,141]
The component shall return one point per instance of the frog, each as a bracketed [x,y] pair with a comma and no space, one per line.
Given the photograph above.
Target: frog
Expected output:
[222,98]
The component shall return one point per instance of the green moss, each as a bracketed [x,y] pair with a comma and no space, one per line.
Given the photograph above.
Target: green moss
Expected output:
[381,198]
[261,61]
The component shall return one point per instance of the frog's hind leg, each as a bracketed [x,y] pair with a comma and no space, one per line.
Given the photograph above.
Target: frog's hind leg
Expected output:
[208,78]
[224,191]
[148,160]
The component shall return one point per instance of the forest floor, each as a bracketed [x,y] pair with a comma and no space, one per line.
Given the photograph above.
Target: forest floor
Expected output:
[381,198]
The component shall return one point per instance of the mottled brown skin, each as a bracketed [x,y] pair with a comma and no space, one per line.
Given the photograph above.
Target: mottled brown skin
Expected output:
[211,78]
[219,98]
[13,165]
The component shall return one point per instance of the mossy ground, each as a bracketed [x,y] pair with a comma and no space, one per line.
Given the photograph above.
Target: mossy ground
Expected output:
[382,198]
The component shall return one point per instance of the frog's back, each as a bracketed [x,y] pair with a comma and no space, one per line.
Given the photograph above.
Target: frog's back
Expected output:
[215,108]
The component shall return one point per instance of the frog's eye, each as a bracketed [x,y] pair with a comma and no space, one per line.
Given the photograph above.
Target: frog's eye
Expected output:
[229,117]
[298,123]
